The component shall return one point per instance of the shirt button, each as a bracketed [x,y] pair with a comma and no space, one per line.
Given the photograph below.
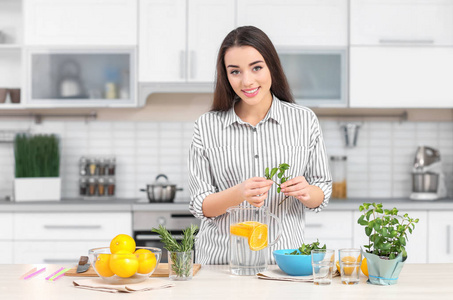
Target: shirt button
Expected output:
[256,156]
[254,129]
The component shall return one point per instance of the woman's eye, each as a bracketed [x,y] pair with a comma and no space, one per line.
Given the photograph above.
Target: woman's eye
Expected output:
[234,72]
[257,68]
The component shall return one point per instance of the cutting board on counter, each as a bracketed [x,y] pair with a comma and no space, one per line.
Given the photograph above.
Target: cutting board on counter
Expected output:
[161,271]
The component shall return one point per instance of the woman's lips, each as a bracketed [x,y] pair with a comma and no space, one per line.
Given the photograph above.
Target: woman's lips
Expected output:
[251,92]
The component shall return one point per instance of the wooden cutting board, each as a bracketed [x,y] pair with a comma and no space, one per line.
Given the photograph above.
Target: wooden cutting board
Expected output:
[161,271]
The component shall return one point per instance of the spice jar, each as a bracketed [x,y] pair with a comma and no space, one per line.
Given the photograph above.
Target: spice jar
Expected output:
[101,186]
[83,186]
[338,167]
[92,186]
[111,166]
[111,186]
[83,166]
[92,166]
[102,167]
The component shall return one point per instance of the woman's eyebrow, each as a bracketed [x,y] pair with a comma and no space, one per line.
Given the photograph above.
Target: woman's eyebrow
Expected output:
[251,64]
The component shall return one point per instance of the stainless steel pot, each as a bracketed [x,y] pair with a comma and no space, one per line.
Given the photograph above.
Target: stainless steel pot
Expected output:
[161,191]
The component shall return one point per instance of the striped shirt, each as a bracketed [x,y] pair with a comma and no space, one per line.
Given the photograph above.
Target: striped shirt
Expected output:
[226,151]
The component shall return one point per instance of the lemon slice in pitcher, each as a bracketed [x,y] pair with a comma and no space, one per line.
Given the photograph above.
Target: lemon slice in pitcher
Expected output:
[258,238]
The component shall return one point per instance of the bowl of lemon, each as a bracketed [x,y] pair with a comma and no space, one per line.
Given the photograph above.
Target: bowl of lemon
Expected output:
[123,262]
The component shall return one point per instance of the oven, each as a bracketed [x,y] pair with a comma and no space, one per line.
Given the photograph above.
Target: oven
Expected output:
[174,221]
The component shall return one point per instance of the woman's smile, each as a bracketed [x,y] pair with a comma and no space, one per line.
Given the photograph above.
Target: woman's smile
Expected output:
[251,92]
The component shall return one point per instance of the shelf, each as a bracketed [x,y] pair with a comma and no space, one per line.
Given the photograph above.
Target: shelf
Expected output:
[11,46]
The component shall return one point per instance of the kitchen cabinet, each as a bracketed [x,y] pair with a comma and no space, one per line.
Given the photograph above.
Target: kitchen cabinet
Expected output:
[440,239]
[89,77]
[80,22]
[63,237]
[297,22]
[401,22]
[401,77]
[10,49]
[6,236]
[179,39]
[331,228]
[417,249]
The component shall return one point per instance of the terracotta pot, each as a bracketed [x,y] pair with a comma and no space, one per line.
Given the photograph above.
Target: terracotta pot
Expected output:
[14,94]
[3,95]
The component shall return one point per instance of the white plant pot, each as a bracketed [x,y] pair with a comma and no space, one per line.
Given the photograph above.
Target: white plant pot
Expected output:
[37,189]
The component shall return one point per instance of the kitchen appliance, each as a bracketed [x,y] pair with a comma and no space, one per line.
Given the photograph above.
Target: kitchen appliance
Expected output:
[161,191]
[428,180]
[351,133]
[174,220]
[70,83]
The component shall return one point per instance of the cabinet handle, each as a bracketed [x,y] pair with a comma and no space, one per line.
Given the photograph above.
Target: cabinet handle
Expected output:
[58,261]
[448,239]
[71,227]
[396,41]
[313,225]
[150,237]
[193,64]
[182,64]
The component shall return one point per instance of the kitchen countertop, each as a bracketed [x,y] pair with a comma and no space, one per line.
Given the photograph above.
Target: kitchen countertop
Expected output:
[416,281]
[123,205]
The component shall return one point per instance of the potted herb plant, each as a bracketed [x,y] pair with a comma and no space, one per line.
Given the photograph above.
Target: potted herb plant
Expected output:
[387,233]
[180,255]
[37,167]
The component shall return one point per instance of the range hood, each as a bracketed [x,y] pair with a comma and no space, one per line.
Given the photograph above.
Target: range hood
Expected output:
[147,88]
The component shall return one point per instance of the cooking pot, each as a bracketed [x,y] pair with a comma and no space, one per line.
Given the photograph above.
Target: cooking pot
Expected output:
[161,191]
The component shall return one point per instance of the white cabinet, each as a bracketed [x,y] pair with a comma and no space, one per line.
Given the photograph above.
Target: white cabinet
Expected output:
[179,39]
[64,237]
[297,22]
[401,22]
[6,236]
[440,239]
[80,22]
[401,77]
[417,250]
[333,228]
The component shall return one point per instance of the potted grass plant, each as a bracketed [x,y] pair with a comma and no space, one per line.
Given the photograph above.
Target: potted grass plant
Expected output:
[387,233]
[37,167]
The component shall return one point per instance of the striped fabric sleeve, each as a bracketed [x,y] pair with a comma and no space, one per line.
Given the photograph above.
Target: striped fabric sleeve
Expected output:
[317,172]
[200,177]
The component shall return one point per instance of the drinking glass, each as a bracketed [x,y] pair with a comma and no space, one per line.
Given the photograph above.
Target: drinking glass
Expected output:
[180,265]
[322,261]
[350,261]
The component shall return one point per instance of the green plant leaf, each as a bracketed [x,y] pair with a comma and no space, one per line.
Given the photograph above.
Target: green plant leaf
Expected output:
[273,172]
[362,220]
[266,173]
[279,189]
[283,180]
[368,231]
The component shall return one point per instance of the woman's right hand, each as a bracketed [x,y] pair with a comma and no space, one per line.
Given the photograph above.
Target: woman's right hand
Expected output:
[254,190]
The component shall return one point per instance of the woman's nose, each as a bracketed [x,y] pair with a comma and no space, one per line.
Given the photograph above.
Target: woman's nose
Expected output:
[247,79]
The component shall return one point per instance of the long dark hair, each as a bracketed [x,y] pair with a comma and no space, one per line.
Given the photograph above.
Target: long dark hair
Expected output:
[224,95]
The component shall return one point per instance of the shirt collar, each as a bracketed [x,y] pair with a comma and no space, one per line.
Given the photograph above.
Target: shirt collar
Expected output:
[275,113]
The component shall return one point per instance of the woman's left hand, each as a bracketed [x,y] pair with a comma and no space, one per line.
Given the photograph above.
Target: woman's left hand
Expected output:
[297,187]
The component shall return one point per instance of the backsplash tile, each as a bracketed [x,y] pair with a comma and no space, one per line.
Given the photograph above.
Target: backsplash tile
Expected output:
[379,166]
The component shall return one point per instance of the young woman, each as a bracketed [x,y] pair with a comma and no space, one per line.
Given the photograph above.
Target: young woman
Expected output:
[254,124]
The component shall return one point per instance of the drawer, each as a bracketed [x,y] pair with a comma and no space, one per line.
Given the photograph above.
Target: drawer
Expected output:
[60,253]
[326,225]
[6,225]
[6,252]
[71,226]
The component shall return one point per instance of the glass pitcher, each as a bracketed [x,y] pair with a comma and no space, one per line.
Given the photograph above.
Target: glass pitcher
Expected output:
[249,231]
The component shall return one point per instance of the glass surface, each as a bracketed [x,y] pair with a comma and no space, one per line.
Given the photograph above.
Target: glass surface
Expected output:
[80,76]
[322,261]
[350,260]
[315,77]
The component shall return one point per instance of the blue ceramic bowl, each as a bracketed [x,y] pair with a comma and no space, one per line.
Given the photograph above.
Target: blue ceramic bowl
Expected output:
[294,265]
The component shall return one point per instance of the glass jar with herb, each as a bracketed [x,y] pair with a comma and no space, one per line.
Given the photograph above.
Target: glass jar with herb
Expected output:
[102,167]
[111,186]
[111,166]
[92,189]
[83,163]
[92,166]
[101,186]
[83,186]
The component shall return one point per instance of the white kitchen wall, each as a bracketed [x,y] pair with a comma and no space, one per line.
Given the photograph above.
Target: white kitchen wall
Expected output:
[380,165]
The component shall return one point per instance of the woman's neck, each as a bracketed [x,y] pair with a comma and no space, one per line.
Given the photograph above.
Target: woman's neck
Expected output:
[253,114]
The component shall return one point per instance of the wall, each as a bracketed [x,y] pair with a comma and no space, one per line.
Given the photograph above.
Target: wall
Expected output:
[155,139]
